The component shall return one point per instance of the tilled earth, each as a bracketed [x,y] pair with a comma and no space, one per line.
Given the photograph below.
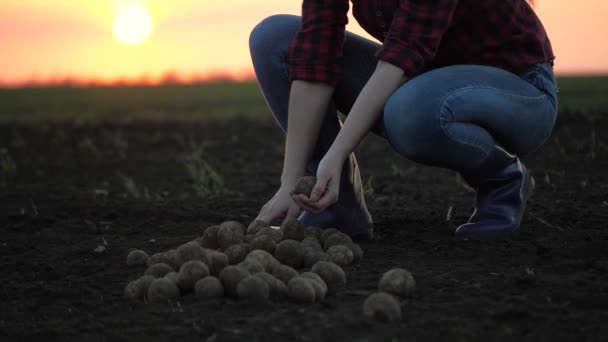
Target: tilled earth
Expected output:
[125,186]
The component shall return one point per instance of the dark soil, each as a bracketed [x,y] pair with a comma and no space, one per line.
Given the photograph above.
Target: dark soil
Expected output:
[71,194]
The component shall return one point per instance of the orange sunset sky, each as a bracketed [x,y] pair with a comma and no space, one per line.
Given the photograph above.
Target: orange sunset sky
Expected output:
[42,40]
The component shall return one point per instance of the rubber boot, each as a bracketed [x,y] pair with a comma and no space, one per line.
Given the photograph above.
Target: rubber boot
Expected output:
[349,214]
[503,186]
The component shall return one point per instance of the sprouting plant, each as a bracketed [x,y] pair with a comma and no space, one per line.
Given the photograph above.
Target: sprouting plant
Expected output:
[205,180]
[368,187]
[130,186]
[8,168]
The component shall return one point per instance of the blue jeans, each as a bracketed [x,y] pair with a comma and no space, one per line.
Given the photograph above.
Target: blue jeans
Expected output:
[449,117]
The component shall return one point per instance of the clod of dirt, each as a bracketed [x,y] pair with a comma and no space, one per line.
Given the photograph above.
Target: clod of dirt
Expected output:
[311,243]
[230,233]
[277,288]
[171,276]
[161,290]
[190,251]
[137,258]
[312,257]
[251,265]
[209,288]
[284,273]
[275,234]
[327,233]
[217,262]
[318,284]
[209,239]
[336,239]
[340,255]
[314,232]
[294,230]
[301,290]
[332,274]
[357,252]
[267,260]
[237,253]
[255,226]
[264,242]
[290,252]
[158,270]
[138,288]
[397,281]
[305,185]
[383,307]
[230,278]
[253,288]
[190,272]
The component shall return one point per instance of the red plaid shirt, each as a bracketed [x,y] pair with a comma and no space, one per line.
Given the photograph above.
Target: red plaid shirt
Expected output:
[419,35]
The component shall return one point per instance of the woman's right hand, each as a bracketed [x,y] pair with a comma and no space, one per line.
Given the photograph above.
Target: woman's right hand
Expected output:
[280,206]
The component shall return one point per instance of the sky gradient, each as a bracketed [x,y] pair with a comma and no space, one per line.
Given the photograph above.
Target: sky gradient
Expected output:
[43,40]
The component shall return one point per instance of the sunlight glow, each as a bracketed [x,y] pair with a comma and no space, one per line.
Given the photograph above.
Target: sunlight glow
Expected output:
[132,25]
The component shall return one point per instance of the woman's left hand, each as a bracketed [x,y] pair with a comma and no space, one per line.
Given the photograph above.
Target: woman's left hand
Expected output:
[326,191]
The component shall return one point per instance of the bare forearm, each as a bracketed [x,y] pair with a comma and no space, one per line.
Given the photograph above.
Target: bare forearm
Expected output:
[308,103]
[367,108]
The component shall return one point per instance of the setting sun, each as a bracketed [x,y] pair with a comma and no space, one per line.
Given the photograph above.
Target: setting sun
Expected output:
[132,25]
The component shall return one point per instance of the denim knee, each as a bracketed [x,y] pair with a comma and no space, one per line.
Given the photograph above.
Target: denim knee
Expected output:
[269,35]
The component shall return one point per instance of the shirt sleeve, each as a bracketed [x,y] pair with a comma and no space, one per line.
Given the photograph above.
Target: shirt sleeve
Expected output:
[315,52]
[415,34]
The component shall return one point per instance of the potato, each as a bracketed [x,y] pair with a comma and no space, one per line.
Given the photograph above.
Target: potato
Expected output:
[321,291]
[397,281]
[190,272]
[172,260]
[301,290]
[332,274]
[275,234]
[305,185]
[284,273]
[294,230]
[158,258]
[336,239]
[209,288]
[171,276]
[253,288]
[230,277]
[138,288]
[217,262]
[137,258]
[311,243]
[267,260]
[209,238]
[327,233]
[312,257]
[249,238]
[161,290]
[314,232]
[255,226]
[252,265]
[230,233]
[383,307]
[190,251]
[158,270]
[264,242]
[290,252]
[237,253]
[340,255]
[357,252]
[277,288]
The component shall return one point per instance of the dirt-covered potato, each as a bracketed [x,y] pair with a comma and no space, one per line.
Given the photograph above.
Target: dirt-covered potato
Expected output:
[249,238]
[253,288]
[171,276]
[161,290]
[322,291]
[277,288]
[340,255]
[190,251]
[290,252]
[267,260]
[301,290]
[138,288]
[312,243]
[172,260]
[209,238]
[397,281]
[383,307]
[284,273]
[237,253]
[327,233]
[217,262]
[158,270]
[312,257]
[230,233]
[190,272]
[357,252]
[314,232]
[255,226]
[230,277]
[158,258]
[137,258]
[209,288]
[332,274]
[294,230]
[264,242]
[336,239]
[275,234]
[251,265]
[305,185]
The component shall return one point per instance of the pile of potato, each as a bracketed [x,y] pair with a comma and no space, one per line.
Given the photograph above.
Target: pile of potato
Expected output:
[257,263]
